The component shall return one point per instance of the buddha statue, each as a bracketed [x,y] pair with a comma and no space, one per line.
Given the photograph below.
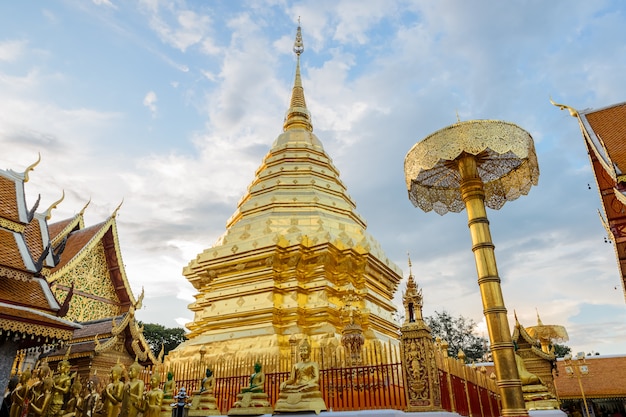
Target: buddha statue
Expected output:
[61,386]
[74,405]
[169,392]
[536,394]
[203,402]
[18,395]
[133,392]
[112,394]
[153,398]
[252,400]
[301,391]
[42,398]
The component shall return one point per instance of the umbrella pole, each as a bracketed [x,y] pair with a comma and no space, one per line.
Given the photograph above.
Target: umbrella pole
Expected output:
[507,377]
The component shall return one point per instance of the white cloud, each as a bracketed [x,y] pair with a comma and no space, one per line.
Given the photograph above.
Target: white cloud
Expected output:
[106,3]
[149,101]
[11,50]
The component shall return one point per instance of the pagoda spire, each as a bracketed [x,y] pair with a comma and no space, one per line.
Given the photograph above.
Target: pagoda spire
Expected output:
[298,116]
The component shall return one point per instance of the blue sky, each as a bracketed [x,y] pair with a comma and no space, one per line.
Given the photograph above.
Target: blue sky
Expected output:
[171,106]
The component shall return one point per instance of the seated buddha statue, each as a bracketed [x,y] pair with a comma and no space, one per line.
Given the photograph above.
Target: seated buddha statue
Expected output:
[252,399]
[204,398]
[301,392]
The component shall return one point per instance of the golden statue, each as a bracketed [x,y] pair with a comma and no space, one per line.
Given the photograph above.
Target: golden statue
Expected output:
[74,405]
[62,384]
[204,399]
[19,394]
[36,389]
[153,398]
[252,400]
[536,395]
[301,391]
[112,394]
[40,403]
[133,392]
[169,388]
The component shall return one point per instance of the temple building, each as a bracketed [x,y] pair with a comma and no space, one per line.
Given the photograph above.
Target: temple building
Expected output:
[63,289]
[293,253]
[91,269]
[604,132]
[30,314]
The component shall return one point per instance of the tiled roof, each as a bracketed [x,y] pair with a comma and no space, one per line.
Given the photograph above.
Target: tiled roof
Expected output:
[96,327]
[606,378]
[609,124]
[55,228]
[10,255]
[8,200]
[24,293]
[76,242]
[34,238]
[31,321]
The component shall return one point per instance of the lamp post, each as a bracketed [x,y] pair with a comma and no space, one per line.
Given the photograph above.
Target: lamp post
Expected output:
[471,165]
[577,367]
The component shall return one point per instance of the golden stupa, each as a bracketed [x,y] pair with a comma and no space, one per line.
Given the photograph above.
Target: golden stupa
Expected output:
[293,253]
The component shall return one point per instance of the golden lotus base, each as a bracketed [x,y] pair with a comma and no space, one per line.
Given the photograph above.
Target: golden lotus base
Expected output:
[296,403]
[537,397]
[251,404]
[203,412]
[250,411]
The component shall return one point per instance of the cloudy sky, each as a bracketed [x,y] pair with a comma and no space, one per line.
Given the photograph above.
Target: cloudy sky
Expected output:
[170,106]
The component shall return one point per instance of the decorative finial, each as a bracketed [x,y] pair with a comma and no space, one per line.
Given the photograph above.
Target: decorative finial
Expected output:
[298,116]
[539,322]
[32,167]
[298,46]
[572,111]
[410,266]
[117,209]
[54,205]
[85,207]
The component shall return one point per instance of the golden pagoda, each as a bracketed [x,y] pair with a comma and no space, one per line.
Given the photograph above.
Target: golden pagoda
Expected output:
[294,250]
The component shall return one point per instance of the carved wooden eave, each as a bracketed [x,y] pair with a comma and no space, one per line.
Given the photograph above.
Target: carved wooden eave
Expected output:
[100,336]
[604,132]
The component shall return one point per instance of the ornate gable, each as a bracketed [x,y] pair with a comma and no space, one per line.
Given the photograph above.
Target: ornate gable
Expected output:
[91,265]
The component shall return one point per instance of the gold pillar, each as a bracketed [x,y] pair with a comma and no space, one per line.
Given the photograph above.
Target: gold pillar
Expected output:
[473,195]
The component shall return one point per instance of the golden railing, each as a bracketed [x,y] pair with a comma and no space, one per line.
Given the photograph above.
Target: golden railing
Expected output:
[375,383]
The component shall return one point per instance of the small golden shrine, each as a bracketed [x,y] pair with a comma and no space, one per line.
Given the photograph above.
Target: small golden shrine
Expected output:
[294,248]
[538,394]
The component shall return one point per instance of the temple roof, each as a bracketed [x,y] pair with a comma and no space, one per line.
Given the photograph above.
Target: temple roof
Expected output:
[604,131]
[606,378]
[27,303]
[607,131]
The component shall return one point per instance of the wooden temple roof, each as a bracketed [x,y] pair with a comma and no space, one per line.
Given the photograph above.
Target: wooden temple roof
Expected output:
[604,131]
[28,306]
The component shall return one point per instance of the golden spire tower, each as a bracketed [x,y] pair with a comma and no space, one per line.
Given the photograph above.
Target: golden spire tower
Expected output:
[292,251]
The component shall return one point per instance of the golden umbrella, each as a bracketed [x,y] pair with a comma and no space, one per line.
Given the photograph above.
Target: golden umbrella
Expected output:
[469,165]
[546,334]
